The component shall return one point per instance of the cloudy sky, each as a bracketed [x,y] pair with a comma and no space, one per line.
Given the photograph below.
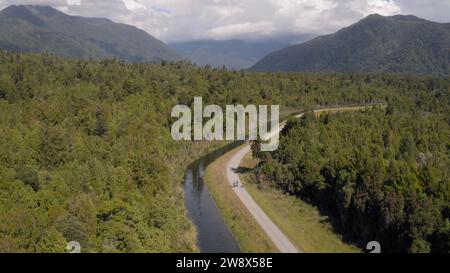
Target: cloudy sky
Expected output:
[180,20]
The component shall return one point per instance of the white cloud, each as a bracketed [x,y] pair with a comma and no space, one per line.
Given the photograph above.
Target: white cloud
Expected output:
[253,29]
[133,5]
[74,2]
[382,7]
[172,20]
[435,10]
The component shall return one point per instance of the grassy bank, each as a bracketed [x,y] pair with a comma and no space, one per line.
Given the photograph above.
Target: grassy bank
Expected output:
[250,236]
[301,222]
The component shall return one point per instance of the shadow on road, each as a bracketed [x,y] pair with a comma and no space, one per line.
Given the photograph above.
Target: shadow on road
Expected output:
[242,170]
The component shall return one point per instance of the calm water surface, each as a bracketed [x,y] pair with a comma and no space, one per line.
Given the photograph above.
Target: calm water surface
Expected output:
[213,234]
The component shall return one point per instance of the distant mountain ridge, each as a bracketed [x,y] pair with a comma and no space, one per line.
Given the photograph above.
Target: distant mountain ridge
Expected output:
[42,28]
[402,44]
[233,54]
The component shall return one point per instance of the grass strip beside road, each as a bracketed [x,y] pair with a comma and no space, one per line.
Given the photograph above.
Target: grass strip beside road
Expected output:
[302,223]
[249,235]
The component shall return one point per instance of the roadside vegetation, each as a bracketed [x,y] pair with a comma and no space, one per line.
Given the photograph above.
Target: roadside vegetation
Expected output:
[301,222]
[379,174]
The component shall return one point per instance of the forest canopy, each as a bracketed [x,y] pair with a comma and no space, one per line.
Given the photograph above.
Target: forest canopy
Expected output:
[379,174]
[86,152]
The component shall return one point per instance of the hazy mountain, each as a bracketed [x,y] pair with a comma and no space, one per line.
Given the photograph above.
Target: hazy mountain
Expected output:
[234,54]
[42,28]
[405,44]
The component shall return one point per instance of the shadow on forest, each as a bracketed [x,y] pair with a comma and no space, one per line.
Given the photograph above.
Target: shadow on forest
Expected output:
[329,217]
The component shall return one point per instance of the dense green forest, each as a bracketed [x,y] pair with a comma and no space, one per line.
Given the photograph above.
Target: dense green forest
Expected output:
[86,152]
[381,174]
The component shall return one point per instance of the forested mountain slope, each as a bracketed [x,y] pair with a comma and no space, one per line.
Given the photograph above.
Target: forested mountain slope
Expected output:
[26,28]
[233,54]
[403,44]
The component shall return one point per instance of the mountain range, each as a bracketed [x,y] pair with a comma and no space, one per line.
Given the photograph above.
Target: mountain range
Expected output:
[233,54]
[26,28]
[401,44]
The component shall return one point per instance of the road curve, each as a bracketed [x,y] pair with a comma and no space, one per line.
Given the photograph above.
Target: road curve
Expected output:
[280,240]
[275,234]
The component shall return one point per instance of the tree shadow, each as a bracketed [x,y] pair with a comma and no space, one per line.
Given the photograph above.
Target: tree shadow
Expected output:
[242,170]
[328,216]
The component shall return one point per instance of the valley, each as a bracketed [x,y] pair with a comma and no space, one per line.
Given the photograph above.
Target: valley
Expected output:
[118,142]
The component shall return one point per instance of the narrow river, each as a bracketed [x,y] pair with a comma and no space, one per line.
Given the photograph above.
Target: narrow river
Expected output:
[212,233]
